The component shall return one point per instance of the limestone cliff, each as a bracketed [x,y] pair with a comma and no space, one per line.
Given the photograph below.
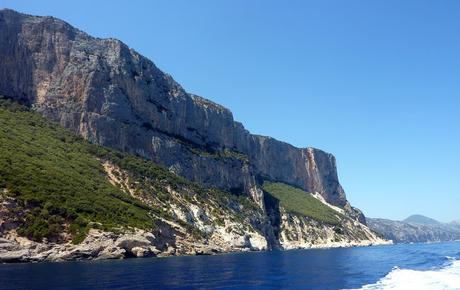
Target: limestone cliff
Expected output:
[113,96]
[62,198]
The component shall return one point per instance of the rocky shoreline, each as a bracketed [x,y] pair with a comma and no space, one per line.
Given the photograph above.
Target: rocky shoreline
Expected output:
[100,245]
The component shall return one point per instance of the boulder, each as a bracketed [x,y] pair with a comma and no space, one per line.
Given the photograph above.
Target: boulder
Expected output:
[140,252]
[128,242]
[14,256]
[112,253]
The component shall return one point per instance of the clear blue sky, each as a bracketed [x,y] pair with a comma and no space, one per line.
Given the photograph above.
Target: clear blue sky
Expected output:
[376,83]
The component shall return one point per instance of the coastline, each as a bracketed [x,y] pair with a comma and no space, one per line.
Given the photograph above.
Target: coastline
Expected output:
[106,245]
[303,269]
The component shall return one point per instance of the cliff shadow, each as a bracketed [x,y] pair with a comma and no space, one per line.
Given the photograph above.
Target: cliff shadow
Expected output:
[272,208]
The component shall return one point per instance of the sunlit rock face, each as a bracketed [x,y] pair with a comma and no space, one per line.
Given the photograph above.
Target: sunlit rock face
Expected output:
[113,96]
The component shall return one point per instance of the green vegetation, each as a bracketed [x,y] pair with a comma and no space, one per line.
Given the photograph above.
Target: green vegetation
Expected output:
[152,180]
[60,185]
[151,177]
[297,201]
[57,181]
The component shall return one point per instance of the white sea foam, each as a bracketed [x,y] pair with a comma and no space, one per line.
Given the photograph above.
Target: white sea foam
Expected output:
[446,278]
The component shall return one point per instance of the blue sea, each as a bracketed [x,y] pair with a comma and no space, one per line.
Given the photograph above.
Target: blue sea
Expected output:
[414,266]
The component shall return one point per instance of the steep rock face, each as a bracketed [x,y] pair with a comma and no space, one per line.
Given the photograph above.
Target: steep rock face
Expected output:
[111,95]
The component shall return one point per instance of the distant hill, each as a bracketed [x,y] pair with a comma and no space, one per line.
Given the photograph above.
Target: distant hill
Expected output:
[421,219]
[415,229]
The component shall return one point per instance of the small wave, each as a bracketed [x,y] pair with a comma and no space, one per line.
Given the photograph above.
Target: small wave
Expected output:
[446,278]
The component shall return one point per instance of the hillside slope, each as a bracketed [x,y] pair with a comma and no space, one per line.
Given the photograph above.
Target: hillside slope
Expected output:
[423,230]
[63,198]
[58,190]
[113,96]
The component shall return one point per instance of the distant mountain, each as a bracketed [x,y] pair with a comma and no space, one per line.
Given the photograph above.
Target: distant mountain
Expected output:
[415,229]
[455,223]
[421,219]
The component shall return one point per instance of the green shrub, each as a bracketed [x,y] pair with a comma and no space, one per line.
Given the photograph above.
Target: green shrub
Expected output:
[297,201]
[60,184]
[56,179]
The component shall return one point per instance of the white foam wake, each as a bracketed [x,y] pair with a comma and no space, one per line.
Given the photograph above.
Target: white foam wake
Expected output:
[446,278]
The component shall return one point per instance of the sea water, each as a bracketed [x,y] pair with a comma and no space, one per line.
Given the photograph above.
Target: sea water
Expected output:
[415,266]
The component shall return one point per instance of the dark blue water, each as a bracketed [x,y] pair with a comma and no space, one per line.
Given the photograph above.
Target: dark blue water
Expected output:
[297,269]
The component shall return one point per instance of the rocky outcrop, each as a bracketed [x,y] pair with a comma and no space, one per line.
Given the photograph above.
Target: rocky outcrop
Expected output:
[97,245]
[113,96]
[414,232]
[169,237]
[299,232]
[191,224]
[187,224]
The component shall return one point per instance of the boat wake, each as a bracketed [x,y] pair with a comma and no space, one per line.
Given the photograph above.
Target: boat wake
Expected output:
[447,277]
